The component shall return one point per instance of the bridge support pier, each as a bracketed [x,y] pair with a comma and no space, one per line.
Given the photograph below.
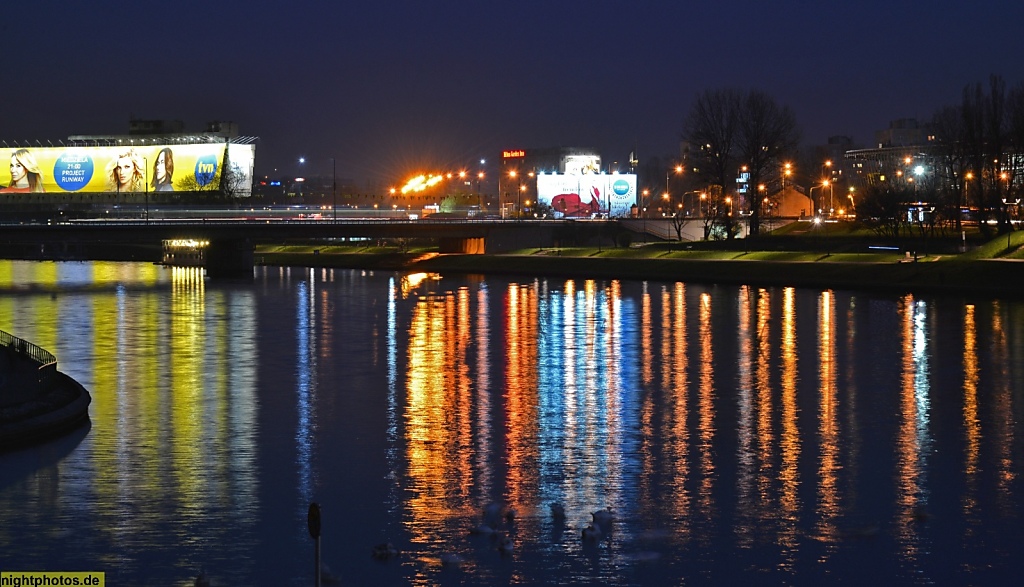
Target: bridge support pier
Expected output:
[229,259]
[466,246]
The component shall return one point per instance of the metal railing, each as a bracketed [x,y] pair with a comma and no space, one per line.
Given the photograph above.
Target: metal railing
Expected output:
[47,363]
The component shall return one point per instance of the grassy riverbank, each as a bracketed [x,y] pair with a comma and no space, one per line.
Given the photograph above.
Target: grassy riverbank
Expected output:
[989,269]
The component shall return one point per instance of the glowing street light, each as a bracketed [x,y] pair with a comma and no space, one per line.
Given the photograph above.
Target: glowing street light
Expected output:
[668,174]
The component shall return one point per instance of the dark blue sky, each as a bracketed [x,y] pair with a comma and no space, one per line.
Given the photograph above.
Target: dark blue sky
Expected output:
[387,86]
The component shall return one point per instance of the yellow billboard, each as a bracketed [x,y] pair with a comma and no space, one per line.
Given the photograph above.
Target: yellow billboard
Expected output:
[150,168]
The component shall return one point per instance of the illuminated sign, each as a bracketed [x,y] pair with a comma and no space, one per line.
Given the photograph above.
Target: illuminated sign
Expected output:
[586,196]
[513,154]
[581,164]
[116,169]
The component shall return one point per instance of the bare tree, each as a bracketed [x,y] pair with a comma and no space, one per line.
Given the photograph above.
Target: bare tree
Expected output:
[948,126]
[767,133]
[235,182]
[985,142]
[711,129]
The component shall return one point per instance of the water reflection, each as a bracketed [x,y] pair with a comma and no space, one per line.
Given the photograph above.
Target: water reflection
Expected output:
[828,427]
[914,434]
[174,432]
[788,435]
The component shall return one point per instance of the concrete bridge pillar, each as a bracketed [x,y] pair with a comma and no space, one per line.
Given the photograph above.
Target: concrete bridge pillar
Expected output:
[229,259]
[466,246]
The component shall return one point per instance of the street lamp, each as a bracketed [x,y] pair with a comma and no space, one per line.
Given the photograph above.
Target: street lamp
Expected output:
[334,189]
[818,203]
[668,174]
[479,194]
[831,205]
[145,187]
[1009,227]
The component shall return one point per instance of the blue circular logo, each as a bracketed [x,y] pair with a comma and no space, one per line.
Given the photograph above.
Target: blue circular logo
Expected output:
[620,187]
[206,169]
[72,170]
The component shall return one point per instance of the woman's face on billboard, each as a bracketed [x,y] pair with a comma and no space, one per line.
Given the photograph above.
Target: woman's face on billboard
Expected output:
[161,168]
[18,171]
[124,170]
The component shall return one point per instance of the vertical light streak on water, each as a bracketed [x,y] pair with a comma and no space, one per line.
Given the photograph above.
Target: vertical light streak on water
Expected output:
[789,473]
[706,408]
[676,382]
[517,354]
[827,510]
[521,403]
[483,391]
[913,438]
[623,404]
[1002,411]
[124,416]
[972,426]
[591,450]
[243,408]
[433,479]
[188,392]
[745,456]
[647,416]
[765,411]
[851,435]
[646,335]
[463,387]
[392,455]
[304,434]
[551,368]
[572,397]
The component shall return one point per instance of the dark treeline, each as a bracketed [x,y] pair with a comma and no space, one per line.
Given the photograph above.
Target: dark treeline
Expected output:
[969,167]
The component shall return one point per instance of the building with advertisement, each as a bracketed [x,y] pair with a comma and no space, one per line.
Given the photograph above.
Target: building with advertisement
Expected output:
[148,164]
[568,180]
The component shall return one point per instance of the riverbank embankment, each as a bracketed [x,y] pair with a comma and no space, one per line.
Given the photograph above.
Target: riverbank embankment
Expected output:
[979,273]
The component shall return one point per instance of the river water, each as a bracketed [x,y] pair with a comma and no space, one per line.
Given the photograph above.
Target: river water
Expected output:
[738,434]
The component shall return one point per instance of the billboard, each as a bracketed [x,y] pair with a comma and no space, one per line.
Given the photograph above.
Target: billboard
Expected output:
[586,196]
[152,168]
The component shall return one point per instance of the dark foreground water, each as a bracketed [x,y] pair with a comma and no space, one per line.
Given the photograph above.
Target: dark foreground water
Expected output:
[740,435]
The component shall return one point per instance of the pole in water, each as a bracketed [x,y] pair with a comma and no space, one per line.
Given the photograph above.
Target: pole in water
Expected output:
[313,522]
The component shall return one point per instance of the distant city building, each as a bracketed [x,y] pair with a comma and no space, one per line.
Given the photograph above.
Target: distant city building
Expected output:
[904,150]
[903,132]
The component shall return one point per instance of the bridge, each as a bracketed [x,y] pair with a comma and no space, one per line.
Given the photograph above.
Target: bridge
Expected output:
[231,241]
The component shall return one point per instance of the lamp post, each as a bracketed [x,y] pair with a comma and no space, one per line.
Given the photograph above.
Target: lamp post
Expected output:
[643,212]
[1009,226]
[145,187]
[506,203]
[479,194]
[818,208]
[831,205]
[668,174]
[334,190]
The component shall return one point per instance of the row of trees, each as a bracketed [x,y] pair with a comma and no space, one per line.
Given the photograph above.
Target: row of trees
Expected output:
[974,159]
[730,130]
[979,153]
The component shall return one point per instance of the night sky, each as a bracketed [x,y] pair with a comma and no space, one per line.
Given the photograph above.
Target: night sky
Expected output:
[391,87]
